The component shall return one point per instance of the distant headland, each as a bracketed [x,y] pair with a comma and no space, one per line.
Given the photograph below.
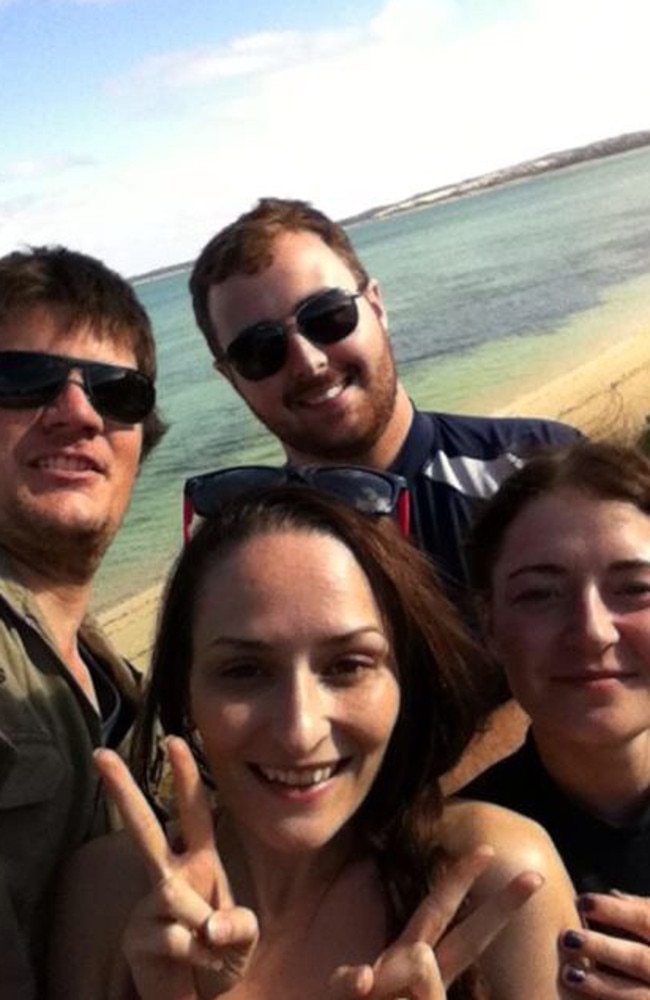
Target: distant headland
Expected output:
[520,171]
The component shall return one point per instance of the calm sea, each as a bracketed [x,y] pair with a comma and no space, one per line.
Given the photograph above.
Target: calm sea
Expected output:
[488,296]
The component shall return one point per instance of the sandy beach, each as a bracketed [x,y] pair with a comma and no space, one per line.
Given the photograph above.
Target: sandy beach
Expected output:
[608,395]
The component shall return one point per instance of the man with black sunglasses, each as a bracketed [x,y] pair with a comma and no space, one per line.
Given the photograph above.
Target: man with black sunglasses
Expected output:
[299,329]
[77,416]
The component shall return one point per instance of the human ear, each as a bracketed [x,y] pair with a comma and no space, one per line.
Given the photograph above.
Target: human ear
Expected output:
[375,300]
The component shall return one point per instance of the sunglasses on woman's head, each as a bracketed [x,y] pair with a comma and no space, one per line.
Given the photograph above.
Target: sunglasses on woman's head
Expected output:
[366,490]
[33,378]
[260,351]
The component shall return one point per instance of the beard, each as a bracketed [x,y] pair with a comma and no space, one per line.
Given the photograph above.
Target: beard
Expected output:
[61,552]
[354,440]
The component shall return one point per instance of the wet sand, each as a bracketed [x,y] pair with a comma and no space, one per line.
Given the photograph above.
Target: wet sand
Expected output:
[607,396]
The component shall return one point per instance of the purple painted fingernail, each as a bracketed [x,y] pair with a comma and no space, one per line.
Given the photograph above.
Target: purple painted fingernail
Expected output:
[571,939]
[574,974]
[586,904]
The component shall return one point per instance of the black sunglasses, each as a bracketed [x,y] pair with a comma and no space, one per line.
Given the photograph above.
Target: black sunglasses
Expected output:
[33,378]
[366,490]
[325,318]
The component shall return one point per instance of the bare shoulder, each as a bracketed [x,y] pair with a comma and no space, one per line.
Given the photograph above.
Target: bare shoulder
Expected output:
[524,960]
[519,842]
[97,889]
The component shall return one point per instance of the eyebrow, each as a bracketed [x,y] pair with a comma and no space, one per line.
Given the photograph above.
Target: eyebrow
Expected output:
[552,569]
[261,644]
[288,316]
[630,564]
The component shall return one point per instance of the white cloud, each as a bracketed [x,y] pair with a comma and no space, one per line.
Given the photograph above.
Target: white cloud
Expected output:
[249,56]
[414,98]
[413,22]
[45,168]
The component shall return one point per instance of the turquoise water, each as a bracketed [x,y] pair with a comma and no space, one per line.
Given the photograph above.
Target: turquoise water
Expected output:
[487,297]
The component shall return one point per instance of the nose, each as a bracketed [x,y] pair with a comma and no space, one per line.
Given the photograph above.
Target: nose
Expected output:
[73,408]
[594,624]
[304,358]
[301,715]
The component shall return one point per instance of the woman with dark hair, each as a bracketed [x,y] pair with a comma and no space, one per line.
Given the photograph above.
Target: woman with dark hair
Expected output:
[309,666]
[561,564]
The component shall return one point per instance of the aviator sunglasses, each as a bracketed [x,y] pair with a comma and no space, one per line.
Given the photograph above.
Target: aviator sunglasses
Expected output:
[366,490]
[260,351]
[32,378]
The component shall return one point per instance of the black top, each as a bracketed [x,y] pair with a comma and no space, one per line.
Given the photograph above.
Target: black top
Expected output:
[115,712]
[598,855]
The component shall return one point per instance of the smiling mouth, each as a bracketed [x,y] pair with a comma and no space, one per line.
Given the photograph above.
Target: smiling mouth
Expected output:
[317,395]
[66,463]
[302,777]
[592,678]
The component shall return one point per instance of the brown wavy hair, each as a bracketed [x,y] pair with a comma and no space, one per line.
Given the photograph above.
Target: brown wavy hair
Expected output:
[246,247]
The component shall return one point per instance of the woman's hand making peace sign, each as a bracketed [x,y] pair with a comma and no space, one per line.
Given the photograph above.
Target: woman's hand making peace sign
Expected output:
[426,958]
[186,940]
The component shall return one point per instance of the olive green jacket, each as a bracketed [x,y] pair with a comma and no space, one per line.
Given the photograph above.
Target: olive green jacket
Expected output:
[50,798]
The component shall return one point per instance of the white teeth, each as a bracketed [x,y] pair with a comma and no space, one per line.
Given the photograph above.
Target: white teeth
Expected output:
[333,391]
[323,397]
[69,463]
[303,778]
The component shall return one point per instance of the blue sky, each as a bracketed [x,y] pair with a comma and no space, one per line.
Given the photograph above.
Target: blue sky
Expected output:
[134,129]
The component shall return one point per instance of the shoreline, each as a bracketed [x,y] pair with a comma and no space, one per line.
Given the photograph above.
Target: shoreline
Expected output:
[605,396]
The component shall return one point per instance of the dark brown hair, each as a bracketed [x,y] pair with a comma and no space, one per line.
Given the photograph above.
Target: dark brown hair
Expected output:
[438,667]
[87,292]
[600,469]
[246,247]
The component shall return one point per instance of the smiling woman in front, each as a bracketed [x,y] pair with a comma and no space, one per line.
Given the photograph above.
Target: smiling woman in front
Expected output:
[322,684]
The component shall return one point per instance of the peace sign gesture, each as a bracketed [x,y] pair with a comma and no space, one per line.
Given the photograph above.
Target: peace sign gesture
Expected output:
[186,940]
[425,958]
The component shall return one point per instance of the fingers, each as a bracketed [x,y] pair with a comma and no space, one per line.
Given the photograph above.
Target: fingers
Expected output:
[171,923]
[351,982]
[174,900]
[625,912]
[193,809]
[590,949]
[409,970]
[138,817]
[235,928]
[601,965]
[175,922]
[195,816]
[592,982]
[436,912]
[469,939]
[410,967]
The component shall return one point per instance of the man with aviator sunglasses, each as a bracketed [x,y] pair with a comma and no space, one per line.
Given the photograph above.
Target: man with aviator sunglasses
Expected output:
[77,416]
[299,329]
